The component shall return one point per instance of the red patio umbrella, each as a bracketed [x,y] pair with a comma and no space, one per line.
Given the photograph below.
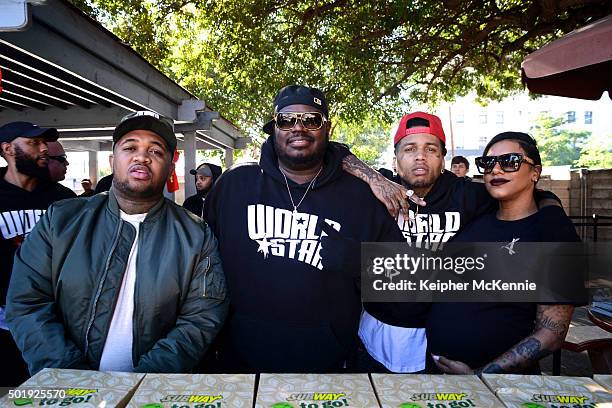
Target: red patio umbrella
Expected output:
[577,65]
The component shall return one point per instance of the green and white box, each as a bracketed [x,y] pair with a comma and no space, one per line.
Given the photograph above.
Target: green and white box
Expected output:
[195,391]
[432,391]
[547,398]
[605,380]
[54,387]
[520,381]
[541,391]
[315,391]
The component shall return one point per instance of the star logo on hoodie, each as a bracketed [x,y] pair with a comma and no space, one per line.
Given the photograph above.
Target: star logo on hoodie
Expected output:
[264,246]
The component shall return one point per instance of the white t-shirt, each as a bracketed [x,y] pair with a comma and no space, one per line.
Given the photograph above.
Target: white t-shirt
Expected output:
[399,349]
[117,352]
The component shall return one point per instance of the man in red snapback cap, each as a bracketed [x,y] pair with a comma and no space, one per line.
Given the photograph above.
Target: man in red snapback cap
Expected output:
[419,151]
[393,334]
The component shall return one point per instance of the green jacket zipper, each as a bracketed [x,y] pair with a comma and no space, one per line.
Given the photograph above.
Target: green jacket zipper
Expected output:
[99,290]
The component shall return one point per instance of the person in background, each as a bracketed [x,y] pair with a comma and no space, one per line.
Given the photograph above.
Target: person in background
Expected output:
[105,183]
[58,161]
[512,337]
[58,166]
[87,190]
[25,194]
[460,166]
[205,176]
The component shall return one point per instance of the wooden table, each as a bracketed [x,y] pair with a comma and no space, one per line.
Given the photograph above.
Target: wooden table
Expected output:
[596,340]
[600,320]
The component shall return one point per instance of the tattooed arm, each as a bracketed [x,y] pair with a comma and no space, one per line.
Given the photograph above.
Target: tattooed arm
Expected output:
[552,323]
[391,194]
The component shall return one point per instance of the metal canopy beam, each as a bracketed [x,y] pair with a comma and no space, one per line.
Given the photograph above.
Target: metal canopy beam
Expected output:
[66,83]
[227,130]
[81,46]
[66,71]
[75,117]
[33,94]
[11,76]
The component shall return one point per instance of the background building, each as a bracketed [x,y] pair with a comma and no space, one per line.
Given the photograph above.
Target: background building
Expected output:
[469,126]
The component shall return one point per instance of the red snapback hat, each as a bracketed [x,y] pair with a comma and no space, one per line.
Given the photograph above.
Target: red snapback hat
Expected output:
[434,128]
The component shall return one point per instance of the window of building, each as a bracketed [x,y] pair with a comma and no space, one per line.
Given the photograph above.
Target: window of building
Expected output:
[588,117]
[460,117]
[571,117]
[482,140]
[499,117]
[482,118]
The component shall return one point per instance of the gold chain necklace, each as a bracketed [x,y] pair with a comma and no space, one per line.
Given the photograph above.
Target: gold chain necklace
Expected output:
[295,207]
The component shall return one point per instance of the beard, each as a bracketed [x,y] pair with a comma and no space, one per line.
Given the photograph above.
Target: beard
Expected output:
[421,183]
[29,166]
[418,183]
[128,191]
[300,162]
[152,190]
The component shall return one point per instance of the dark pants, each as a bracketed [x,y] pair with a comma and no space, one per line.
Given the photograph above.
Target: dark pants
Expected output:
[15,370]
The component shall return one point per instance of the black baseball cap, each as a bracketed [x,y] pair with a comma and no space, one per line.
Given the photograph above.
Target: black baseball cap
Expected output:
[202,170]
[147,120]
[297,95]
[13,130]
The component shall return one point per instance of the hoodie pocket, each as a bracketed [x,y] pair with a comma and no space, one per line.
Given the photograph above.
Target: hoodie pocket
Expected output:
[284,347]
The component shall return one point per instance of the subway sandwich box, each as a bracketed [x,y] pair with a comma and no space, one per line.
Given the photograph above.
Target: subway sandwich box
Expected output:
[54,387]
[315,391]
[540,391]
[435,391]
[195,391]
[605,380]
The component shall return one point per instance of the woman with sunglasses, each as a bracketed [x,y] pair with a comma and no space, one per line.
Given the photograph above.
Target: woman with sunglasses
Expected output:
[468,338]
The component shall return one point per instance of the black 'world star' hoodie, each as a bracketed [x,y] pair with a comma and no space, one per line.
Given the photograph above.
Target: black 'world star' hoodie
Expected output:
[294,307]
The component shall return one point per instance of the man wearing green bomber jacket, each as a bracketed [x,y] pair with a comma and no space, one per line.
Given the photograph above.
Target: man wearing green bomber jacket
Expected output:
[121,281]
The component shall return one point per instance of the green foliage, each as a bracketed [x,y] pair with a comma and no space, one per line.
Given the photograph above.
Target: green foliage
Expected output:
[597,154]
[367,140]
[558,146]
[372,58]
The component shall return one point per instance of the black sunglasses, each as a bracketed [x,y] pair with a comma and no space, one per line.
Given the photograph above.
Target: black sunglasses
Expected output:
[62,158]
[509,162]
[309,120]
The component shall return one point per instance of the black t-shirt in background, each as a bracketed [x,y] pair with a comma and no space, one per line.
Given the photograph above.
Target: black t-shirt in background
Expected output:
[478,333]
[20,210]
[104,184]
